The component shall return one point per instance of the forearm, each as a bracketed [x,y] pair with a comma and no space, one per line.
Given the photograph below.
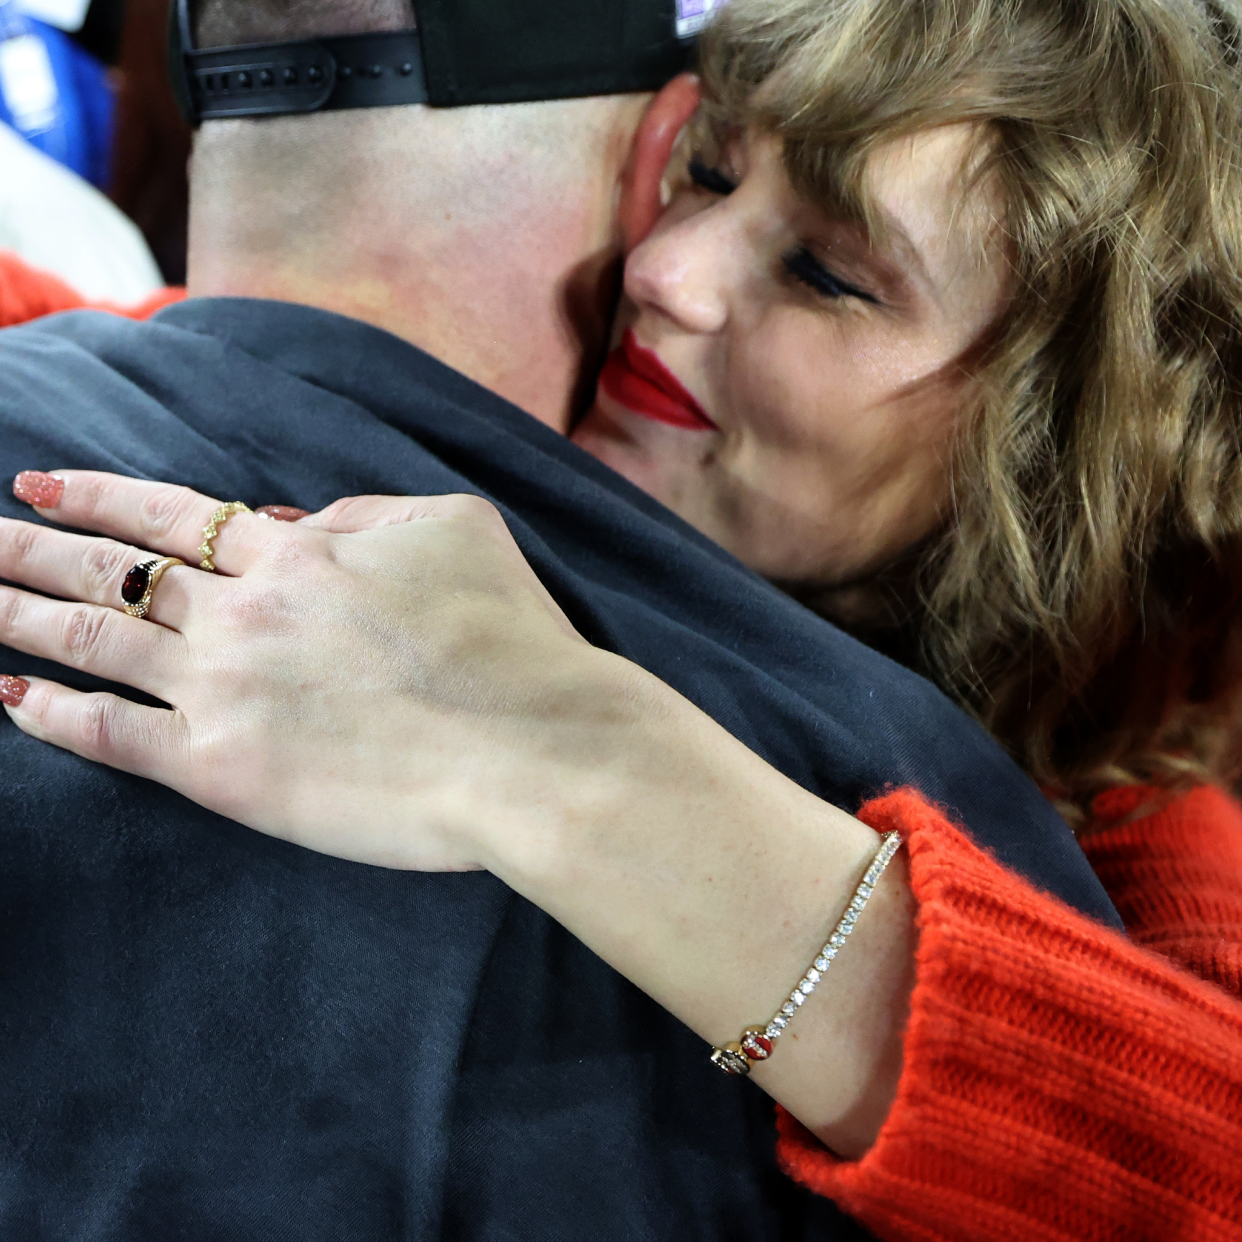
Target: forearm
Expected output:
[711,881]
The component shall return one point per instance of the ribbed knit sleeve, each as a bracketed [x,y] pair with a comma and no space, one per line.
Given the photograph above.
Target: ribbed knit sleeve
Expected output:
[28,293]
[1060,1081]
[1175,875]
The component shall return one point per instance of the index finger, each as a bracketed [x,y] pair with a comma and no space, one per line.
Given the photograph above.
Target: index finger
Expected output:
[161,517]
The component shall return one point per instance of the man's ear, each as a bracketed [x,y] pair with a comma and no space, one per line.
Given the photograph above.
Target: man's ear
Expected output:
[665,118]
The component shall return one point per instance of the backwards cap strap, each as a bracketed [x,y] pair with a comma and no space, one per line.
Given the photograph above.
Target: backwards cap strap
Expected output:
[304,75]
[464,52]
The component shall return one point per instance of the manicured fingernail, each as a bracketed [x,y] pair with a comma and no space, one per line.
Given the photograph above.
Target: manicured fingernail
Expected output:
[41,490]
[13,690]
[282,513]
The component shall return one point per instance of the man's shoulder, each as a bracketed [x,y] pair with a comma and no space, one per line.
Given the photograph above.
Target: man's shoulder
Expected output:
[208,359]
[194,324]
[78,346]
[191,350]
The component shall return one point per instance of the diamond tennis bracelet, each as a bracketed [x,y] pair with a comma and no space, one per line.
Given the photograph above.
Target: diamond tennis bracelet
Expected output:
[757,1042]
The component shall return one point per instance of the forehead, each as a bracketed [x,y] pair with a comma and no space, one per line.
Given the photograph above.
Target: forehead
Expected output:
[932,211]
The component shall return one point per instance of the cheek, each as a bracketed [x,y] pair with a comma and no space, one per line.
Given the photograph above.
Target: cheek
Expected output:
[802,384]
[836,466]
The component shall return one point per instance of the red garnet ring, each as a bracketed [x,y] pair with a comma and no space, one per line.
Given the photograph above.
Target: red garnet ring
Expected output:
[141,581]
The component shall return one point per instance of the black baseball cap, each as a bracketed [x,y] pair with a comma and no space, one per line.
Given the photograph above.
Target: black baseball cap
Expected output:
[462,52]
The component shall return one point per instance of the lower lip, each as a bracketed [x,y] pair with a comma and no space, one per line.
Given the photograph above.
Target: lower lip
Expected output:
[663,402]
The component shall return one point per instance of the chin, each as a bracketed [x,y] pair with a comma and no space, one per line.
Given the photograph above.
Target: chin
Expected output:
[610,439]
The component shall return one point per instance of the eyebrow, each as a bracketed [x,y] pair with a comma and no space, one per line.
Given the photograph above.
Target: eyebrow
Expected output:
[894,257]
[912,254]
[898,255]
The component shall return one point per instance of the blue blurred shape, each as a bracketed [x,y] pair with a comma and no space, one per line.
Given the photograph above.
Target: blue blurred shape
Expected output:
[55,94]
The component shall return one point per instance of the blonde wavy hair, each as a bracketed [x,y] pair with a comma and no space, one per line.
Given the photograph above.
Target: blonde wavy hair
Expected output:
[1086,597]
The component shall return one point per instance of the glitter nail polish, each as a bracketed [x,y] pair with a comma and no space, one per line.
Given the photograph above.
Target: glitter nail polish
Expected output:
[43,491]
[282,513]
[13,690]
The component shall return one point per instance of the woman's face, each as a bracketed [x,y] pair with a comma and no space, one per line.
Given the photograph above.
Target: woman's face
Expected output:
[784,386]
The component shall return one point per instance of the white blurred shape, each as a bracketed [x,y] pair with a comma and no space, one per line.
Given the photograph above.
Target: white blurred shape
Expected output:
[63,14]
[28,83]
[58,222]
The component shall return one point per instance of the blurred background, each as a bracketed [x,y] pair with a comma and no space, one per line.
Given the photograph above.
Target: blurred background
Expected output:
[92,150]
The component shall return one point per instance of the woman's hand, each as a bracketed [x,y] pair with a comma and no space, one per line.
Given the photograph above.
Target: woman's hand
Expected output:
[387,681]
[374,682]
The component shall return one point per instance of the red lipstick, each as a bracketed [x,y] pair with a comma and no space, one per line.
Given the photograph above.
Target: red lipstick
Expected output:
[635,378]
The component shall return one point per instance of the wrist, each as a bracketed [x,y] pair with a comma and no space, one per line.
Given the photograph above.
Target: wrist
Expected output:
[639,793]
[587,762]
[711,881]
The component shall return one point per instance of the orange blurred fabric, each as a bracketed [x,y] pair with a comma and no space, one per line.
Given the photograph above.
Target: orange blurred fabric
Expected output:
[28,293]
[1062,1082]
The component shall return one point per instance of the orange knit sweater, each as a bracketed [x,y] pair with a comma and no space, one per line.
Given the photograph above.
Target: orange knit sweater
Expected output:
[27,293]
[1062,1082]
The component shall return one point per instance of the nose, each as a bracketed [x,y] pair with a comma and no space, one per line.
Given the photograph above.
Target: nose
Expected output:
[687,270]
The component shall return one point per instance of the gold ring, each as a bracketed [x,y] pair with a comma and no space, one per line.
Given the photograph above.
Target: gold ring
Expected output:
[212,529]
[141,581]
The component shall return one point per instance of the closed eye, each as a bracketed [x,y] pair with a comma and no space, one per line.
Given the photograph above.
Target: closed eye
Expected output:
[802,265]
[710,179]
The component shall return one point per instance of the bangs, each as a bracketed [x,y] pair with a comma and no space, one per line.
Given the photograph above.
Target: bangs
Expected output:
[836,81]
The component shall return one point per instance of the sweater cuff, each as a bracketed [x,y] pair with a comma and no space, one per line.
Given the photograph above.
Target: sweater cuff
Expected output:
[1043,1055]
[1172,865]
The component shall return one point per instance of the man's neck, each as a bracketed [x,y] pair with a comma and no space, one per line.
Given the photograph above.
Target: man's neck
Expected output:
[513,290]
[509,329]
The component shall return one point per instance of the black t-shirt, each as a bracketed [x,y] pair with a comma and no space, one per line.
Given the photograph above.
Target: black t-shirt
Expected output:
[209,1034]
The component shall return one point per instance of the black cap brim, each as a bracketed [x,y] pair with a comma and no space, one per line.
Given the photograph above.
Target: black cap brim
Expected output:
[510,51]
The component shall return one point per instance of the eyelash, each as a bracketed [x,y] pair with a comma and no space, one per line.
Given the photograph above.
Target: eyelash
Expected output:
[799,262]
[711,179]
[803,266]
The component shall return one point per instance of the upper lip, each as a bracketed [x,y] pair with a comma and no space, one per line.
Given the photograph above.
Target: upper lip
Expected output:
[635,377]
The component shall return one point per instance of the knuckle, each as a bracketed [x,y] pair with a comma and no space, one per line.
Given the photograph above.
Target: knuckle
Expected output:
[357,513]
[250,610]
[38,706]
[101,567]
[24,540]
[473,519]
[214,756]
[97,724]
[162,510]
[11,605]
[90,491]
[473,509]
[286,553]
[82,631]
[338,510]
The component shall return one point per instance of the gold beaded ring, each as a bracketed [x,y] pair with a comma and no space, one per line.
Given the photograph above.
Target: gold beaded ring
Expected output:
[212,529]
[141,581]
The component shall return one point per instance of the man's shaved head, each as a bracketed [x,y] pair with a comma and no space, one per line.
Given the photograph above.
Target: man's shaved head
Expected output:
[225,23]
[488,234]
